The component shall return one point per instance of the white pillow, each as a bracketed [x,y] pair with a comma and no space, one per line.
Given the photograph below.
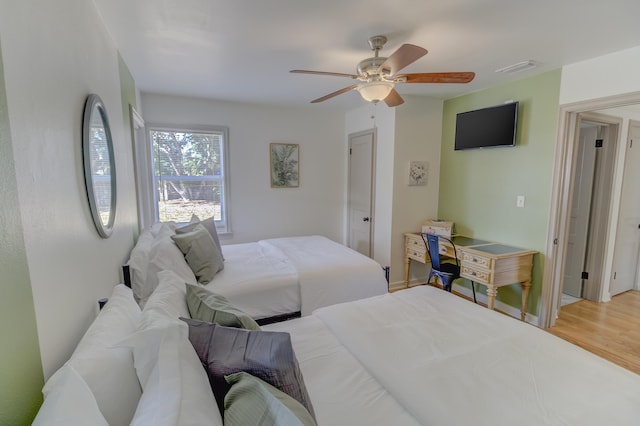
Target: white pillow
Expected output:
[176,390]
[108,370]
[68,401]
[139,261]
[167,303]
[176,387]
[164,255]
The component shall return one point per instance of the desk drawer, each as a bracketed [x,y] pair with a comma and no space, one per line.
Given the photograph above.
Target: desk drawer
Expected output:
[476,274]
[473,259]
[417,254]
[414,241]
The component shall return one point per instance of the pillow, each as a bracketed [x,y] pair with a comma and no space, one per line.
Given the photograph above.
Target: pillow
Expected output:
[139,261]
[175,386]
[167,303]
[251,401]
[209,225]
[164,256]
[201,253]
[68,401]
[108,370]
[176,389]
[207,306]
[266,355]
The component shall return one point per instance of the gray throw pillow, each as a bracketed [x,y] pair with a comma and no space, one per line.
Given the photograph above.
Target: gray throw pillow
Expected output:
[209,225]
[251,401]
[267,355]
[207,306]
[201,253]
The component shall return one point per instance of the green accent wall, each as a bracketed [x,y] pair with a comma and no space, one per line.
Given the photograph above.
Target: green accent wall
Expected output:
[21,376]
[478,188]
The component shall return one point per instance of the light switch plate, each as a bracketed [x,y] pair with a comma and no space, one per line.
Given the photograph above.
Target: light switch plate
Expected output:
[520,201]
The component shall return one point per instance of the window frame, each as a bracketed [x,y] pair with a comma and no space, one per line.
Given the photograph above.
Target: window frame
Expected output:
[222,226]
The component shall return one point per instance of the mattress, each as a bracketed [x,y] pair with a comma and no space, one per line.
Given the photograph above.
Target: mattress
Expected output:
[442,360]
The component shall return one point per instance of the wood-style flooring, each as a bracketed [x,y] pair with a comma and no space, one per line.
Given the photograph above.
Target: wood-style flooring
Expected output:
[610,330]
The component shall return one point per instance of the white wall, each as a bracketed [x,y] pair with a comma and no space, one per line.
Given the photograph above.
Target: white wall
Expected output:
[613,74]
[257,210]
[55,54]
[418,137]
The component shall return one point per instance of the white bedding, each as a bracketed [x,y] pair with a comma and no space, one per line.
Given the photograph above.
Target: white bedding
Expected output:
[441,360]
[258,278]
[329,272]
[284,275]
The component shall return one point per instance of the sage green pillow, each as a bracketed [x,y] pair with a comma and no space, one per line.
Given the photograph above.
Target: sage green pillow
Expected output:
[200,252]
[252,401]
[210,307]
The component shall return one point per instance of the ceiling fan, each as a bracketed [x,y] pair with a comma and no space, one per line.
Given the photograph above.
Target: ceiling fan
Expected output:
[378,75]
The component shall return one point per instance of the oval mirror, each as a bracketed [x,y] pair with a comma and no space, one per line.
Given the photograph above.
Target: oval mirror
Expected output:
[99,165]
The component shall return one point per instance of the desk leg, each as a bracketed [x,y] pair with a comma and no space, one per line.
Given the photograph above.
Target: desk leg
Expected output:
[526,286]
[407,267]
[492,292]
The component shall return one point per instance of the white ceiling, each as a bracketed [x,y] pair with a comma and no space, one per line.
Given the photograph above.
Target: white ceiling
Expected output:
[242,50]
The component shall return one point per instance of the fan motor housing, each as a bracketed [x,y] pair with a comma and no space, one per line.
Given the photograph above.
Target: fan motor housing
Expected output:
[370,67]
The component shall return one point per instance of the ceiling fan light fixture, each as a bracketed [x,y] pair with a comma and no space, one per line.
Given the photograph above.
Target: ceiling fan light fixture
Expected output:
[375,91]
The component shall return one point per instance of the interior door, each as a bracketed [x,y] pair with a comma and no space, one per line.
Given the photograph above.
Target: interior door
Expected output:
[580,212]
[361,168]
[627,248]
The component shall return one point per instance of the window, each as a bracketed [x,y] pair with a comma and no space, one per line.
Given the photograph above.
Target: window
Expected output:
[190,174]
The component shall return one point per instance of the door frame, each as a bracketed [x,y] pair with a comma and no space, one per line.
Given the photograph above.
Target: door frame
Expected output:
[560,199]
[374,139]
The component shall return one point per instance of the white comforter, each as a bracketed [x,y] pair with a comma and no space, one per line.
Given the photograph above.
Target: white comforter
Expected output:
[284,275]
[432,358]
[329,272]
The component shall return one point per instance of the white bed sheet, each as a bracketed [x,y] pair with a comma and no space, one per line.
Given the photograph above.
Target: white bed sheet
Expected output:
[329,272]
[450,362]
[341,390]
[259,279]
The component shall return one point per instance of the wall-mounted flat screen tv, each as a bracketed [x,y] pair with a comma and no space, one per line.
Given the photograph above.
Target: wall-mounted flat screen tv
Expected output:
[487,127]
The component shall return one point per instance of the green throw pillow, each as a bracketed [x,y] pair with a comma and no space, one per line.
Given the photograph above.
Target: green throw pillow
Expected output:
[210,307]
[252,401]
[201,253]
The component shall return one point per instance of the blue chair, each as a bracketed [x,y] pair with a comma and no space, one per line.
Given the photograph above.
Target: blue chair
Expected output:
[447,272]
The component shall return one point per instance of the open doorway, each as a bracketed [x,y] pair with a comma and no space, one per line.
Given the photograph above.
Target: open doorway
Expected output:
[563,179]
[592,186]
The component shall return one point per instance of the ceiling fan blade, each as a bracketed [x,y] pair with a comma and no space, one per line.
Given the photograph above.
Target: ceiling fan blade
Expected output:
[393,99]
[436,77]
[405,55]
[334,74]
[336,93]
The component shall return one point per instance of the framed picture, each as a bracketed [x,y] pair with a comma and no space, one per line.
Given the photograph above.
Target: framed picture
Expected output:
[418,173]
[284,158]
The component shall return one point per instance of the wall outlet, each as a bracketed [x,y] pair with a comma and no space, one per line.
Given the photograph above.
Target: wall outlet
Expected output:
[520,201]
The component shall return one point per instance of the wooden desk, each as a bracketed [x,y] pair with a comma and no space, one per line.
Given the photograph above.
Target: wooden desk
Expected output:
[491,264]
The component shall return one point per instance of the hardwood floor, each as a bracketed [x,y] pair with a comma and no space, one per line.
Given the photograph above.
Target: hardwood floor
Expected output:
[610,330]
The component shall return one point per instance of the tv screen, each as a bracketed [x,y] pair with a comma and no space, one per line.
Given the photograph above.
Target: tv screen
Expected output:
[487,127]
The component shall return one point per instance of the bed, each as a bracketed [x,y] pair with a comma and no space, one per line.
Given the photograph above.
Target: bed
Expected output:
[271,279]
[419,356]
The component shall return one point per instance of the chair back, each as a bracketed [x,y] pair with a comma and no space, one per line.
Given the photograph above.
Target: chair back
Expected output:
[433,245]
[434,249]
